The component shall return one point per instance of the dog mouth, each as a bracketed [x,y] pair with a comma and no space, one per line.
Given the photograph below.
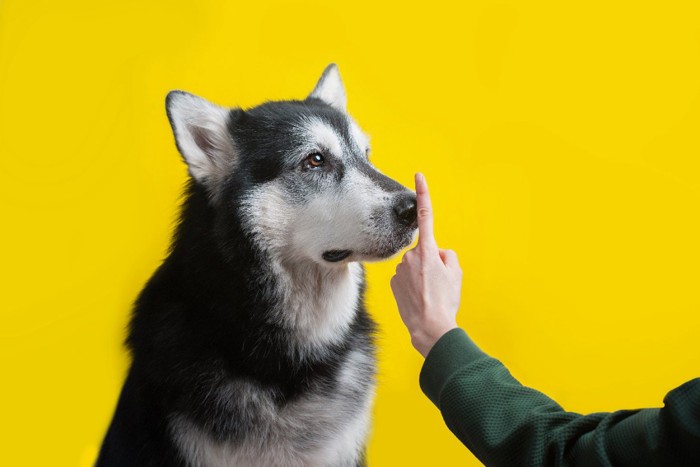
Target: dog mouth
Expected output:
[385,249]
[333,256]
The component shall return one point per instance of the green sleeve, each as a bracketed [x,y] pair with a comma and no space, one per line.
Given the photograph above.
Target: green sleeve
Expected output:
[505,423]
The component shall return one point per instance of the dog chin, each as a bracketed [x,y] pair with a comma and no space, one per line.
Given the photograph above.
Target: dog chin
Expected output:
[394,247]
[334,258]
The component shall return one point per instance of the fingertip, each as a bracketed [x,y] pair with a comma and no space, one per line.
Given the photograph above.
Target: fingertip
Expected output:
[420,181]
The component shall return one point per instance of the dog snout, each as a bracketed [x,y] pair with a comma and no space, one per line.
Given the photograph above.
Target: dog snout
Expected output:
[405,209]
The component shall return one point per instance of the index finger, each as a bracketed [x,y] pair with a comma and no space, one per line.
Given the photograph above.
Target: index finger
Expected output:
[425,213]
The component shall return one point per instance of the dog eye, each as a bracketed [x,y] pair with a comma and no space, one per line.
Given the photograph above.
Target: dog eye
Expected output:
[314,160]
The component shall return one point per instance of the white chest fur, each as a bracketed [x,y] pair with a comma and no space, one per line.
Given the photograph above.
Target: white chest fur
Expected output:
[318,429]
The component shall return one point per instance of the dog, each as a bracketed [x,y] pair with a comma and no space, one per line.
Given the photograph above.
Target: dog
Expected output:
[251,344]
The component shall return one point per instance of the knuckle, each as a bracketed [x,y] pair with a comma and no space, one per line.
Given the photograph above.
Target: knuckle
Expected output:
[423,212]
[429,251]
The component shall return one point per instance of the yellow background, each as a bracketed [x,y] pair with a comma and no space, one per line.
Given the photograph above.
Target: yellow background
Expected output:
[560,140]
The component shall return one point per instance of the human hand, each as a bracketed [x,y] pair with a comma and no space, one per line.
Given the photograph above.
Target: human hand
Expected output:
[428,281]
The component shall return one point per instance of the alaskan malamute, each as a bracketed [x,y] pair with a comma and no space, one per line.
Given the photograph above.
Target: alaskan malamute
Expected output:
[250,343]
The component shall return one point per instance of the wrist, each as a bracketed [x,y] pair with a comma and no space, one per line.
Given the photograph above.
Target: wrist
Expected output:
[424,341]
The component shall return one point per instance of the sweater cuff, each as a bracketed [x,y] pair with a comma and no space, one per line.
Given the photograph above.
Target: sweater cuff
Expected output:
[452,351]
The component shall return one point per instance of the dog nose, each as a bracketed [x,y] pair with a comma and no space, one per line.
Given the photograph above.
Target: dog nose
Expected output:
[405,209]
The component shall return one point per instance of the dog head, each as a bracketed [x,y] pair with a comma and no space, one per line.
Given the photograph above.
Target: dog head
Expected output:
[296,175]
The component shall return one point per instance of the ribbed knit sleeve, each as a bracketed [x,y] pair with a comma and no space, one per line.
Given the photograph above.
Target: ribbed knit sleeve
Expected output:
[507,424]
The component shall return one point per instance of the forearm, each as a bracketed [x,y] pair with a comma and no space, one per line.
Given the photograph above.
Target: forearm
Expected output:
[498,419]
[505,423]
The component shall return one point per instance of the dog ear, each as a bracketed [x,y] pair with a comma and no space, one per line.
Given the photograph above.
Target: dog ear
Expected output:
[202,136]
[330,88]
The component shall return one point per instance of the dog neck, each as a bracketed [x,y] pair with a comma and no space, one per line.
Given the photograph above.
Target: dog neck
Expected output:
[317,303]
[313,304]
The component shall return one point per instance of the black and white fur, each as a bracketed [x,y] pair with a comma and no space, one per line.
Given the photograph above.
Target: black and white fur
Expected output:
[250,343]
